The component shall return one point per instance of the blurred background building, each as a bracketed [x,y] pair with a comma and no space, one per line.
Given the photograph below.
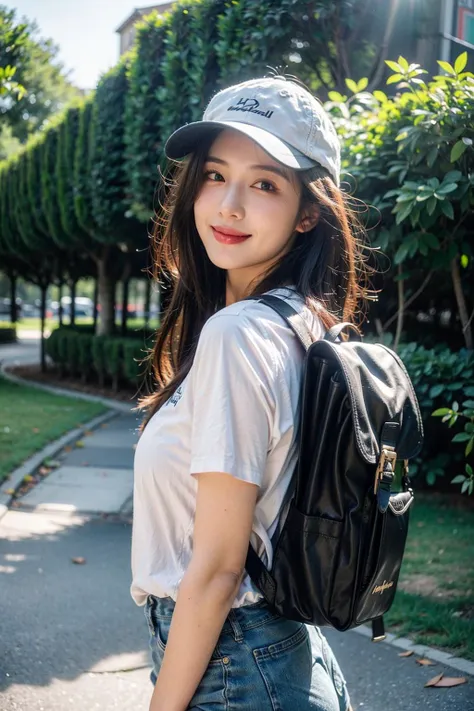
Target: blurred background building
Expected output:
[126,31]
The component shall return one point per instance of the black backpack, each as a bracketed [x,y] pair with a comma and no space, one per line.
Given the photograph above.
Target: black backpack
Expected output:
[338,554]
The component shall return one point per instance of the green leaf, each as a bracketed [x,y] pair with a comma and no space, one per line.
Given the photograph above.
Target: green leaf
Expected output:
[431,478]
[401,253]
[458,479]
[431,205]
[446,66]
[403,213]
[469,470]
[460,62]
[380,96]
[432,156]
[468,403]
[453,176]
[336,96]
[393,65]
[469,447]
[457,151]
[447,209]
[394,78]
[434,392]
[461,437]
[442,410]
[362,84]
[351,85]
[402,62]
[464,486]
[446,188]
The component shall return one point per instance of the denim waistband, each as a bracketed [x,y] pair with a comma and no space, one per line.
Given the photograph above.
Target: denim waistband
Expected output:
[238,620]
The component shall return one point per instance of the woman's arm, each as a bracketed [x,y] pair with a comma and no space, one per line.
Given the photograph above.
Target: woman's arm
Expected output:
[223,524]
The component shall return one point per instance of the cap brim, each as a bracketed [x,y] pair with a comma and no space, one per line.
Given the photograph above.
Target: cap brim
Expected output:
[185,139]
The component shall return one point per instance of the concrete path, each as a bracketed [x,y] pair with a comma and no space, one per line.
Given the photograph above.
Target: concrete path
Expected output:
[24,352]
[93,478]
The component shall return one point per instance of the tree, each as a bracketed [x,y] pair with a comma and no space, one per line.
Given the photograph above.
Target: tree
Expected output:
[13,39]
[42,86]
[117,231]
[412,159]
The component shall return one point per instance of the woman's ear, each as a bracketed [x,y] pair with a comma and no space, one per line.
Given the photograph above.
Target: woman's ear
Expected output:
[309,219]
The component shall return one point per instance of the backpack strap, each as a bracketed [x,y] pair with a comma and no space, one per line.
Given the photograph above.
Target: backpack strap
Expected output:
[335,331]
[291,316]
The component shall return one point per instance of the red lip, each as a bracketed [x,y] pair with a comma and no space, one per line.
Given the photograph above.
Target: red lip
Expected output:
[229,231]
[229,236]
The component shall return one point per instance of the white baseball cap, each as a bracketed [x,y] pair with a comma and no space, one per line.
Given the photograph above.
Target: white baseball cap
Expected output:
[281,116]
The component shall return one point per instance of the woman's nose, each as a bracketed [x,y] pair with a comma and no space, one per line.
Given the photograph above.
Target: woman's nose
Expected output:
[232,204]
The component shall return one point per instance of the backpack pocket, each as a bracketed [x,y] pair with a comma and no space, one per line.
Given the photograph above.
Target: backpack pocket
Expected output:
[304,566]
[383,558]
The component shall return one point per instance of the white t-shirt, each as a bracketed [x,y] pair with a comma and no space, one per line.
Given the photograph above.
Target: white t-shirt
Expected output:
[235,412]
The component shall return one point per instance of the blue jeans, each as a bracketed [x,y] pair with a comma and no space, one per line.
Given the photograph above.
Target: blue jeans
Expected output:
[262,662]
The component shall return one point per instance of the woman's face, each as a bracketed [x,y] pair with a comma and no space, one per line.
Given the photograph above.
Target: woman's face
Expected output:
[245,192]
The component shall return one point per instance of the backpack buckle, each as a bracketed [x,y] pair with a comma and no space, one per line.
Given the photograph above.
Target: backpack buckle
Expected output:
[388,458]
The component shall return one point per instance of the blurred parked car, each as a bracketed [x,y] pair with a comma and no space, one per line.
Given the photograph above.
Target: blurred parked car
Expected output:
[84,306]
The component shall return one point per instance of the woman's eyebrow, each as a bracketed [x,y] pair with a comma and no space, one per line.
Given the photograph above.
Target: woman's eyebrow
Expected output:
[270,168]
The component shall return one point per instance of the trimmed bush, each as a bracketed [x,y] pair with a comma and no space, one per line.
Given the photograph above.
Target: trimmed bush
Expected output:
[7,332]
[106,358]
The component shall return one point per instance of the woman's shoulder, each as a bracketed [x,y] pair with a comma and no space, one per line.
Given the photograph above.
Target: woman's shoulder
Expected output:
[254,313]
[253,321]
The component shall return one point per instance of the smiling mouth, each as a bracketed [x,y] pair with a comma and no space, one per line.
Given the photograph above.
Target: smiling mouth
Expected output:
[228,238]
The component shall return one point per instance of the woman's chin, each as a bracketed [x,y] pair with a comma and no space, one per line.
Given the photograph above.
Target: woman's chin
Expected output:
[228,261]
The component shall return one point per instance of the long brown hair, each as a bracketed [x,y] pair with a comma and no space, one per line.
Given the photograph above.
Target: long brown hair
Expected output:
[326,265]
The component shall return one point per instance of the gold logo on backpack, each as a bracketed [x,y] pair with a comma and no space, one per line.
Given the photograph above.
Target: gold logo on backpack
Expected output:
[381,588]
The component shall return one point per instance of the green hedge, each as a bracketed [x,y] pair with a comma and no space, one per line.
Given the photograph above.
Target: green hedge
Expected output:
[110,360]
[7,332]
[440,377]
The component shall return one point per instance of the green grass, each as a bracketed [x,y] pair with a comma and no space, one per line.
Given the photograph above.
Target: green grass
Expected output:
[434,603]
[29,409]
[34,324]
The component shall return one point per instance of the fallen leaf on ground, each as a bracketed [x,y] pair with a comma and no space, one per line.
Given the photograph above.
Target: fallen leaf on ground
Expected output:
[44,470]
[88,433]
[28,477]
[52,463]
[35,429]
[9,491]
[68,448]
[451,681]
[408,653]
[79,443]
[434,680]
[425,662]
[78,561]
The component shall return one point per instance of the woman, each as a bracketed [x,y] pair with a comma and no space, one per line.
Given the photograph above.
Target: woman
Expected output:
[255,208]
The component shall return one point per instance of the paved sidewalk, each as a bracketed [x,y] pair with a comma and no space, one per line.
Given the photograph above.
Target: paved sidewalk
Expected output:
[93,478]
[23,352]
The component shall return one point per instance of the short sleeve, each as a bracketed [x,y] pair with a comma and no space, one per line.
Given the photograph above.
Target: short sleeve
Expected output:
[234,382]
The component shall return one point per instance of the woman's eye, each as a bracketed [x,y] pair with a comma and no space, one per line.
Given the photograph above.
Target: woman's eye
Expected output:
[211,175]
[266,186]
